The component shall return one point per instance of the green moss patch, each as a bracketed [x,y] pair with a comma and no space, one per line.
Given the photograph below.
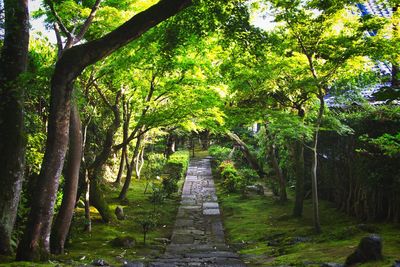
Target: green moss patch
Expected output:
[83,248]
[263,231]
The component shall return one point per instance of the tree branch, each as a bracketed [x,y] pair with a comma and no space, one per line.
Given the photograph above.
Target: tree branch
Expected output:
[63,29]
[103,97]
[87,22]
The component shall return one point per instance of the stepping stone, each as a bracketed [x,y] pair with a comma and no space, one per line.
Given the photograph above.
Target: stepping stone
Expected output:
[211,212]
[191,178]
[210,205]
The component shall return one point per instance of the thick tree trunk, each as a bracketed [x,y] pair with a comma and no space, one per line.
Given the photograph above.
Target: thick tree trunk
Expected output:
[130,166]
[63,221]
[247,154]
[13,62]
[35,242]
[299,172]
[279,174]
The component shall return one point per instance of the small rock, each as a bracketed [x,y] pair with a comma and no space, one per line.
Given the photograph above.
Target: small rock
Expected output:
[257,188]
[99,262]
[396,263]
[119,212]
[123,241]
[369,249]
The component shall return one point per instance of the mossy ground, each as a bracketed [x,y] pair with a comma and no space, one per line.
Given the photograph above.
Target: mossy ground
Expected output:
[83,248]
[263,231]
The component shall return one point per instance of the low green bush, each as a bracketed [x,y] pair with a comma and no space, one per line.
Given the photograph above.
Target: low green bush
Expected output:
[174,170]
[170,185]
[248,174]
[232,181]
[177,164]
[219,153]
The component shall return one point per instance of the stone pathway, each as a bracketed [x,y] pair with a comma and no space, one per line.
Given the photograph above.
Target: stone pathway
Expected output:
[198,235]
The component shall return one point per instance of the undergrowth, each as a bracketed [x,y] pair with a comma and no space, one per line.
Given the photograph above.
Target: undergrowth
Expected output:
[263,231]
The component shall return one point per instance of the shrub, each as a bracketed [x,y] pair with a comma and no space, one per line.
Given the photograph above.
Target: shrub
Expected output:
[177,164]
[232,181]
[158,194]
[147,221]
[219,153]
[169,185]
[175,169]
[248,174]
[154,165]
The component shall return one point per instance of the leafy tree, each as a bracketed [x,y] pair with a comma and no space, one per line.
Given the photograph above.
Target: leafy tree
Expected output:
[34,244]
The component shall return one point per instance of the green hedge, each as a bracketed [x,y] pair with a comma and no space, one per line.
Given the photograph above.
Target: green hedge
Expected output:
[177,164]
[174,170]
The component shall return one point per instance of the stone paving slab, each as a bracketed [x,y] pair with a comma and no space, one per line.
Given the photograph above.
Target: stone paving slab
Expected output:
[198,236]
[210,205]
[211,212]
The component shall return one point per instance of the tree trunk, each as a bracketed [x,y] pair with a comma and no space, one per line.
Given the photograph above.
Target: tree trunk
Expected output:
[35,242]
[247,154]
[121,166]
[205,139]
[64,217]
[279,174]
[314,166]
[139,162]
[299,172]
[13,62]
[130,166]
[127,118]
[97,198]
[170,148]
[88,221]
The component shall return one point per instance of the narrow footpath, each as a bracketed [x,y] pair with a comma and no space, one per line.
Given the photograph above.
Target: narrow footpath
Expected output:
[198,235]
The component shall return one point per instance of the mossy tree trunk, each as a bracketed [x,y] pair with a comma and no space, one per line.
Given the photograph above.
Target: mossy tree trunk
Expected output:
[13,62]
[34,244]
